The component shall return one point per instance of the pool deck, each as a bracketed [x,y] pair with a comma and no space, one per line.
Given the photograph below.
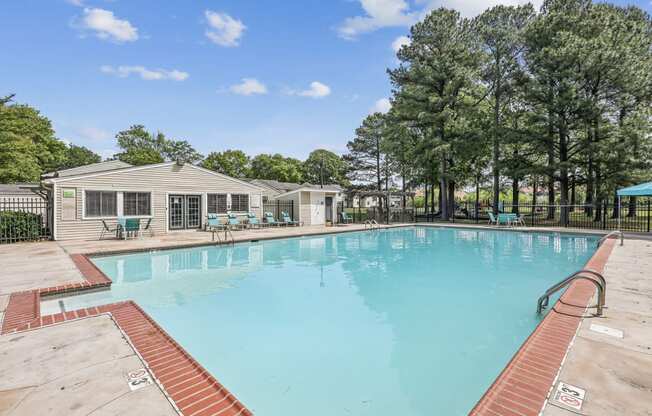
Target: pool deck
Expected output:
[615,372]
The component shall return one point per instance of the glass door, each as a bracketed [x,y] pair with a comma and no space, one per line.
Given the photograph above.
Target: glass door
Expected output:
[176,205]
[193,216]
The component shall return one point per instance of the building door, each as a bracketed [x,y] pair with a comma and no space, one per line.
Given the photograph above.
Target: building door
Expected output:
[329,209]
[317,215]
[193,211]
[184,211]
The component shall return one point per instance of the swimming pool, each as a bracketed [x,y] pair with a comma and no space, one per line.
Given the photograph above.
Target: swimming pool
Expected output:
[409,321]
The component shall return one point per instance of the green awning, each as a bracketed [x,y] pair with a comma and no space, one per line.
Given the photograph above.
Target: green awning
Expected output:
[643,189]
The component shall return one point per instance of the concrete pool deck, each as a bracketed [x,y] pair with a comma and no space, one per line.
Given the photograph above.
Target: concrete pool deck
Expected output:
[50,371]
[609,373]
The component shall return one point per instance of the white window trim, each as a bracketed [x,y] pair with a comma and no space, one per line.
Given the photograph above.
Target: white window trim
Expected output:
[119,205]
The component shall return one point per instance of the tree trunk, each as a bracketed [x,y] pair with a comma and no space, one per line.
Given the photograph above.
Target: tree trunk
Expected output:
[588,201]
[451,198]
[515,195]
[551,172]
[477,197]
[573,195]
[631,207]
[599,197]
[425,198]
[443,190]
[616,211]
[563,174]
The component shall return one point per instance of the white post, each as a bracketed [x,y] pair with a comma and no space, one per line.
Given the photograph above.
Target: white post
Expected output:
[619,226]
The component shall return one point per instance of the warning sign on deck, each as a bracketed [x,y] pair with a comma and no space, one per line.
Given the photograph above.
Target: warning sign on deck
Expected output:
[569,396]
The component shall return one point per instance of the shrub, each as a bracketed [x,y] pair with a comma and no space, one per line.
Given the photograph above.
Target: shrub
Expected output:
[20,226]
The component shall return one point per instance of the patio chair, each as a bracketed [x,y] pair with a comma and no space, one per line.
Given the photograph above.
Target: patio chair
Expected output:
[505,219]
[492,218]
[270,220]
[110,230]
[213,223]
[346,219]
[148,227]
[288,220]
[234,222]
[252,220]
[131,227]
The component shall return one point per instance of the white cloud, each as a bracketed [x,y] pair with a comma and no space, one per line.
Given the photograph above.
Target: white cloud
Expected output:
[381,106]
[399,42]
[392,13]
[379,14]
[472,8]
[316,90]
[93,134]
[249,86]
[224,30]
[124,71]
[107,26]
[78,3]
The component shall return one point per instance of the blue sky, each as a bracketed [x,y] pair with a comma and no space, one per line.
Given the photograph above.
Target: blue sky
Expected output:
[262,76]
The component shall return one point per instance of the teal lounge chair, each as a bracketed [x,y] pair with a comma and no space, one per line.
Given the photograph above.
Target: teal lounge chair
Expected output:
[346,219]
[270,221]
[252,221]
[213,223]
[233,221]
[492,218]
[288,220]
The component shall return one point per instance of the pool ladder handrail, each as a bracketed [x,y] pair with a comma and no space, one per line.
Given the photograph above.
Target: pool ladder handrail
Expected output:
[371,224]
[606,237]
[227,233]
[594,277]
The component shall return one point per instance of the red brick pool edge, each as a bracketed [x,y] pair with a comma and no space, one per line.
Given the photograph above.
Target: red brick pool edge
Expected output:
[191,388]
[522,388]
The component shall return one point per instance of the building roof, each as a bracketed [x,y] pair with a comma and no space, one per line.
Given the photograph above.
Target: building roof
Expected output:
[286,187]
[18,188]
[86,169]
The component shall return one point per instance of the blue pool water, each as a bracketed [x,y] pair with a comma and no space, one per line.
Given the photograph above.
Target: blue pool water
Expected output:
[410,321]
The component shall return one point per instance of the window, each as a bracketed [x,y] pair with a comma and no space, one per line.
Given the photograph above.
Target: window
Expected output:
[240,202]
[216,203]
[100,204]
[136,203]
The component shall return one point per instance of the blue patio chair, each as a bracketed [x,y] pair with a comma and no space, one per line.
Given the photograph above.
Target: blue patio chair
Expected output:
[346,219]
[131,227]
[270,220]
[252,220]
[288,220]
[233,221]
[213,223]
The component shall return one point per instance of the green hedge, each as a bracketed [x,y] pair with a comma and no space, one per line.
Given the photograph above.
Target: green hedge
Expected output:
[20,226]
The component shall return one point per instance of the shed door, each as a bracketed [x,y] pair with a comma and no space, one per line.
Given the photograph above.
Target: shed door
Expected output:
[317,214]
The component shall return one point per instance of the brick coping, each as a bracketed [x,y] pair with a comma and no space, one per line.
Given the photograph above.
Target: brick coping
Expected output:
[521,389]
[523,386]
[192,390]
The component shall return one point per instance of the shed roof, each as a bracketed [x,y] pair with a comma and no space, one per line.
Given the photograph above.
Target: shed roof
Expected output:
[86,169]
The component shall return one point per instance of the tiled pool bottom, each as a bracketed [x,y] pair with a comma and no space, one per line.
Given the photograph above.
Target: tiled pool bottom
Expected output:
[409,321]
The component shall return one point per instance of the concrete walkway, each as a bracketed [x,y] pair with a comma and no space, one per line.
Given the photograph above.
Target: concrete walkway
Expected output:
[616,372]
[27,266]
[74,368]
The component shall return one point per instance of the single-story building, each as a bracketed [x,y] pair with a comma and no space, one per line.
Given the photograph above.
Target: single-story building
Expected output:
[317,205]
[175,196]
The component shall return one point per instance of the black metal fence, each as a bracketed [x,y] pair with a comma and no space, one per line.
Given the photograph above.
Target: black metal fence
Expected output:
[278,206]
[380,214]
[634,216]
[25,219]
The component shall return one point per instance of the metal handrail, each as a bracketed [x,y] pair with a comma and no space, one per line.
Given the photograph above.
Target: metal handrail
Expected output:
[595,277]
[606,236]
[228,230]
